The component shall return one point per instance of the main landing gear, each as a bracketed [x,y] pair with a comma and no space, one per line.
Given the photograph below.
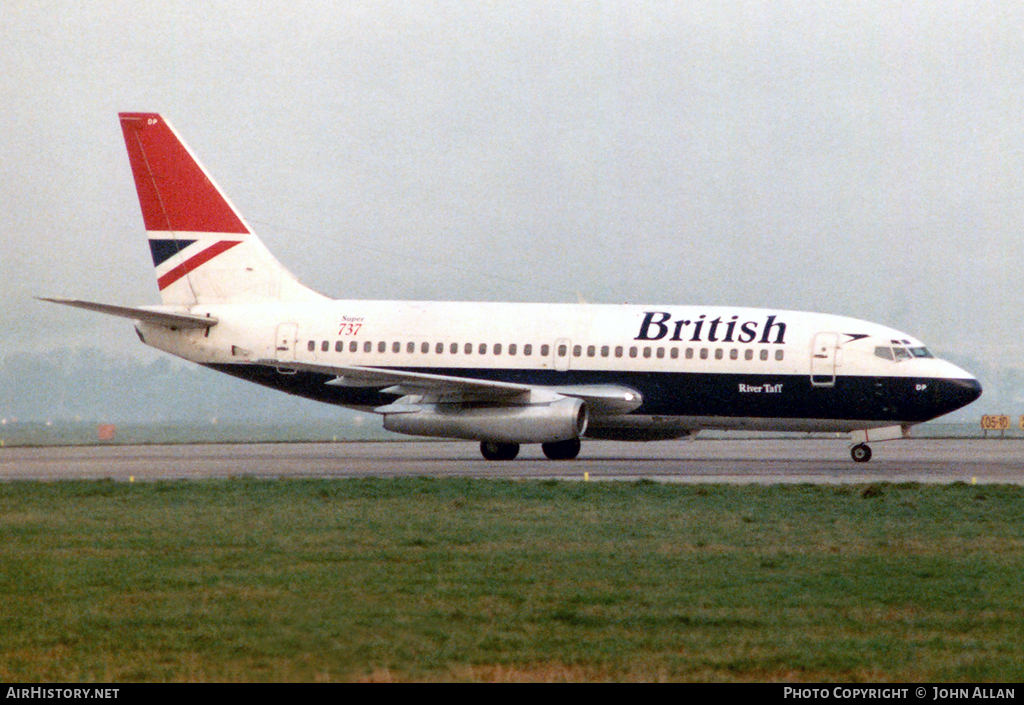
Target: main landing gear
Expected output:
[861,453]
[492,450]
[560,450]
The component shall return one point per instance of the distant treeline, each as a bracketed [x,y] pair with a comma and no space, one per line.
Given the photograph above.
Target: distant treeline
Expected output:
[89,385]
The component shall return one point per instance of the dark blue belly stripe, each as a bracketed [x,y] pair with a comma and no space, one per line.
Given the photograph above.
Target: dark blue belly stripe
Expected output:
[896,399]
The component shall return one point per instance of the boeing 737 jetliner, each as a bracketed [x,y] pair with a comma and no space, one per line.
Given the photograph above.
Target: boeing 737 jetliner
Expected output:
[505,374]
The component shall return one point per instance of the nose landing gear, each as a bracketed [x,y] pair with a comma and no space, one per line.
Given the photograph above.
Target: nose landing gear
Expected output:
[861,453]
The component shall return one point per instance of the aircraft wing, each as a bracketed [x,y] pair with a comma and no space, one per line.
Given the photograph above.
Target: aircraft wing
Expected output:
[434,388]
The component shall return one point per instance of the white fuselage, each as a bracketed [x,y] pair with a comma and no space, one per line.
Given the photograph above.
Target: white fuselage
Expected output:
[763,359]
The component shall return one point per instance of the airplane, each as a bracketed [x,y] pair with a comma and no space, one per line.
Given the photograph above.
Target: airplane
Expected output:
[507,374]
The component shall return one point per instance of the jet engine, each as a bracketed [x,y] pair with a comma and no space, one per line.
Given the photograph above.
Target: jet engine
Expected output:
[561,420]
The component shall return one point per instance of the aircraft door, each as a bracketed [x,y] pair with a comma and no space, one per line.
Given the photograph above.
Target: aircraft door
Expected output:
[824,354]
[563,353]
[284,347]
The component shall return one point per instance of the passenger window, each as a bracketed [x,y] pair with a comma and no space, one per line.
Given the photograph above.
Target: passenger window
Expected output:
[604,351]
[482,349]
[591,350]
[311,346]
[410,347]
[396,347]
[367,346]
[528,349]
[661,353]
[734,354]
[382,346]
[647,352]
[703,353]
[454,349]
[674,353]
[719,353]
[689,353]
[632,351]
[325,346]
[439,349]
[764,355]
[338,346]
[353,346]
[424,348]
[618,351]
[497,348]
[512,348]
[562,350]
[779,354]
[748,354]
[544,350]
[577,350]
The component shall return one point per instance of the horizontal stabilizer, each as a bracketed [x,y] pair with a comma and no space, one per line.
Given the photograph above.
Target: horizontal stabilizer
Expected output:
[157,315]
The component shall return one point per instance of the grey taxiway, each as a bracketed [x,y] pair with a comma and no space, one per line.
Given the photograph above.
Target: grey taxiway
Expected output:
[723,461]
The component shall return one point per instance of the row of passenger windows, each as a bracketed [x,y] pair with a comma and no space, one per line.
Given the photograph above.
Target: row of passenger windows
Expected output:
[561,350]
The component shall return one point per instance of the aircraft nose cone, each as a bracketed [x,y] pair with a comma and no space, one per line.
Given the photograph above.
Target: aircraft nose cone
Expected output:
[957,393]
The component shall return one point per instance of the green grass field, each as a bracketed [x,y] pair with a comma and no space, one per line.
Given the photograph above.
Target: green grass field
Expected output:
[247,580]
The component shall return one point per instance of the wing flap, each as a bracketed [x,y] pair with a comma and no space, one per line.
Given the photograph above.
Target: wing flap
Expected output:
[403,382]
[434,388]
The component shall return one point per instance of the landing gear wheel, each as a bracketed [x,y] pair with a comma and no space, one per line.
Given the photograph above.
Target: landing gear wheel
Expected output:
[860,453]
[492,450]
[562,450]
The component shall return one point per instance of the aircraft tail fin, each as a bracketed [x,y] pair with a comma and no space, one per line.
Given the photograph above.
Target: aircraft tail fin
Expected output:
[202,248]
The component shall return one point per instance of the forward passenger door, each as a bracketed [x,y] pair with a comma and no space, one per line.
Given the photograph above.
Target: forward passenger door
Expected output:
[824,353]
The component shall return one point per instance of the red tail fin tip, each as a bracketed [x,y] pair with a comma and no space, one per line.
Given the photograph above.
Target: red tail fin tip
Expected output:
[175,192]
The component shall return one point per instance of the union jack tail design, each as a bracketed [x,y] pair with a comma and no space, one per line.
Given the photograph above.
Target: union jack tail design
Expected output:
[203,251]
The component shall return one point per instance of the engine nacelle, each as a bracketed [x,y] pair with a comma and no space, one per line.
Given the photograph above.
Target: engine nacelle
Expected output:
[561,420]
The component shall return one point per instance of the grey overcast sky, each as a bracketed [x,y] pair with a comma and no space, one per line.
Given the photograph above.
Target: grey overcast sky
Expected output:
[862,158]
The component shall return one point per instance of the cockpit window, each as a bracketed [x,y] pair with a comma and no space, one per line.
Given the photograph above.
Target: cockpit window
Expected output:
[899,353]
